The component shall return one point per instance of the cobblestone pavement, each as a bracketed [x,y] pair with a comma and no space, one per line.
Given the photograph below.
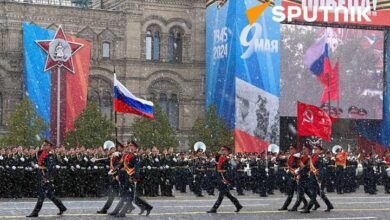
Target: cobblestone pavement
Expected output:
[359,206]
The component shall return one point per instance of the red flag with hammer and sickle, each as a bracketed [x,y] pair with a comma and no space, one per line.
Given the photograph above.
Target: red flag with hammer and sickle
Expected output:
[313,121]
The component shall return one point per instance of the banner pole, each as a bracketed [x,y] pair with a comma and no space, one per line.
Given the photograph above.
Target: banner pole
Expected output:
[116,127]
[58,104]
[328,94]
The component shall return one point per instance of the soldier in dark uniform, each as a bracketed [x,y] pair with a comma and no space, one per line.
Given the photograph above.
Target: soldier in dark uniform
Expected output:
[330,174]
[292,166]
[282,179]
[2,173]
[316,177]
[46,163]
[224,180]
[155,180]
[167,174]
[128,177]
[210,174]
[115,155]
[370,169]
[271,177]
[262,175]
[386,176]
[240,177]
[304,184]
[199,172]
[182,173]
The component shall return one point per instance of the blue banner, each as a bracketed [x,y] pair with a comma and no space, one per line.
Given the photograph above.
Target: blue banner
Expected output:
[37,82]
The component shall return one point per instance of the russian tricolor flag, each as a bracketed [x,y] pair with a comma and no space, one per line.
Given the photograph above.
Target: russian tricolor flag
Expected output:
[126,102]
[317,60]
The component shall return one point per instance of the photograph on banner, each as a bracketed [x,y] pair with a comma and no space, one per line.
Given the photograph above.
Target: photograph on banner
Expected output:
[256,117]
[340,66]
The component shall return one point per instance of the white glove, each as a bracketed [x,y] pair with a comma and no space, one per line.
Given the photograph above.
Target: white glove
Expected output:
[1,157]
[166,167]
[93,160]
[95,167]
[78,166]
[156,159]
[174,159]
[22,159]
[13,167]
[66,159]
[35,165]
[6,166]
[89,168]
[72,168]
[161,168]
[185,159]
[57,167]
[26,168]
[266,170]
[149,167]
[85,159]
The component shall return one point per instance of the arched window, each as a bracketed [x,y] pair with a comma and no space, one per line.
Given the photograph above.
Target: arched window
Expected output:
[166,92]
[173,111]
[163,101]
[93,95]
[106,50]
[175,45]
[106,105]
[100,91]
[148,46]
[152,43]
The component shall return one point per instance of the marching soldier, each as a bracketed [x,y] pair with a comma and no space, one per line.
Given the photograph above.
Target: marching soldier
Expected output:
[316,178]
[128,177]
[115,155]
[303,185]
[224,180]
[293,165]
[46,165]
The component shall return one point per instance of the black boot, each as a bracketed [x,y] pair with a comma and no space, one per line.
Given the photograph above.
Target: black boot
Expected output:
[124,210]
[212,210]
[118,207]
[307,209]
[238,207]
[286,204]
[32,215]
[148,211]
[328,204]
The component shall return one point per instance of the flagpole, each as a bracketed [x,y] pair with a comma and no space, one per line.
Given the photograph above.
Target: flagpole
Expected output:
[116,127]
[115,112]
[328,93]
[58,104]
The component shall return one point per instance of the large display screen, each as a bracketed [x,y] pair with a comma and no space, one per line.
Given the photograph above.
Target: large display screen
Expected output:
[352,81]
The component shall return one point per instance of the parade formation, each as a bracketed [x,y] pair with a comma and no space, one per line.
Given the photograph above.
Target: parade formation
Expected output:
[131,172]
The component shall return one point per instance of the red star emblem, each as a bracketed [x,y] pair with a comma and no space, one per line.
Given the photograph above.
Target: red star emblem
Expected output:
[60,51]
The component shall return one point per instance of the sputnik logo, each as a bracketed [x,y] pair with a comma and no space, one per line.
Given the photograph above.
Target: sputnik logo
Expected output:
[254,13]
